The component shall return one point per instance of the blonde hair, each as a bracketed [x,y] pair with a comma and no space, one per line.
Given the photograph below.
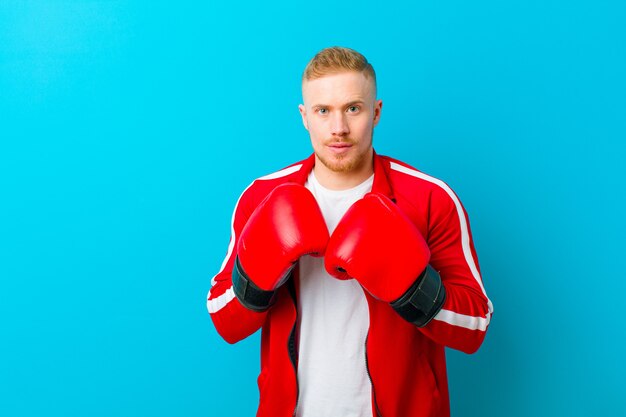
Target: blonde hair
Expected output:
[338,59]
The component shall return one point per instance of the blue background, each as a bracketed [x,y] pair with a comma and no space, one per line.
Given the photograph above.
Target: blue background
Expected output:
[128,130]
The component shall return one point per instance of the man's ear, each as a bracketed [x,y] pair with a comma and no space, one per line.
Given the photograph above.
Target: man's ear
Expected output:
[378,107]
[303,114]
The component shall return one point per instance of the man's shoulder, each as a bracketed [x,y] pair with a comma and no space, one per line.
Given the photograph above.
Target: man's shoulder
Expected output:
[284,173]
[263,185]
[404,172]
[410,181]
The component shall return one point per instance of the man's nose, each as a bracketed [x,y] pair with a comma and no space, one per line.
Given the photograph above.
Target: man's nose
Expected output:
[339,125]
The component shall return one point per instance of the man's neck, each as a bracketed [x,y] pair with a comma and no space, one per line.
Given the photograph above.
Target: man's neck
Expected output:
[342,180]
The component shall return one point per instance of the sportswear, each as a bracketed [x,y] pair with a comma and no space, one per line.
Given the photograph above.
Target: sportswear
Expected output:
[406,363]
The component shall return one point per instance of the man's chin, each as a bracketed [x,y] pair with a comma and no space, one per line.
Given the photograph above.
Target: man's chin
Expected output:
[339,165]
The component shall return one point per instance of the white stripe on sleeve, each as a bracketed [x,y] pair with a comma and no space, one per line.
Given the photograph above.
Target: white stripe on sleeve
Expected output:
[220,302]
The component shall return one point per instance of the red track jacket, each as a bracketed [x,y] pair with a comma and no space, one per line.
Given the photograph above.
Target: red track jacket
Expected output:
[406,364]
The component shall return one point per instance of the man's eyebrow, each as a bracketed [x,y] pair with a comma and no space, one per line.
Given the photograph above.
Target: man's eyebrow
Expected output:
[353,102]
[348,104]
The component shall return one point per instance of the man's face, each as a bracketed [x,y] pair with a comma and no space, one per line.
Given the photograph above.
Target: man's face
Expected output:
[340,112]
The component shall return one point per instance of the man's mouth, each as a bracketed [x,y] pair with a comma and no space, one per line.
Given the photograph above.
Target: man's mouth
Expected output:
[339,147]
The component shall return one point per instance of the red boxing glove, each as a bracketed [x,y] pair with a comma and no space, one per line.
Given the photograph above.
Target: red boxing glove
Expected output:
[285,226]
[376,244]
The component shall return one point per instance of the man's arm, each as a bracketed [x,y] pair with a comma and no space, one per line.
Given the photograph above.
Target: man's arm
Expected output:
[232,320]
[380,246]
[465,315]
[268,243]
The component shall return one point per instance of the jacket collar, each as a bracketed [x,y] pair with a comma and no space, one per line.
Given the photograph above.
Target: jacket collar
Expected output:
[381,184]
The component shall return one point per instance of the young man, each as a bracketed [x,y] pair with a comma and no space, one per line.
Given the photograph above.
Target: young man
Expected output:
[358,268]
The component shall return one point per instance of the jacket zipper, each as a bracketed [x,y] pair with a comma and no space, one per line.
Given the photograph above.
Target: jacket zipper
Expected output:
[292,355]
[367,368]
[291,344]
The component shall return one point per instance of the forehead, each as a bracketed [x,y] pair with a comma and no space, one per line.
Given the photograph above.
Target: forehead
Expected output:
[338,88]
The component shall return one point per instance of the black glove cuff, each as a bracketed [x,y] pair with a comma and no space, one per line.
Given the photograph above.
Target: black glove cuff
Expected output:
[248,294]
[423,300]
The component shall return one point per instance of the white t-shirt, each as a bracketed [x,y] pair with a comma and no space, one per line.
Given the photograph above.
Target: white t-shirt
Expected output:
[333,320]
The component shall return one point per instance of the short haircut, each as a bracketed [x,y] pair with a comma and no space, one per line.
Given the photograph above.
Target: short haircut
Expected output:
[338,59]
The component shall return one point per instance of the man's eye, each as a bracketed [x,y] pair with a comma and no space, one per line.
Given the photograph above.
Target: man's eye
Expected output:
[322,111]
[353,109]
